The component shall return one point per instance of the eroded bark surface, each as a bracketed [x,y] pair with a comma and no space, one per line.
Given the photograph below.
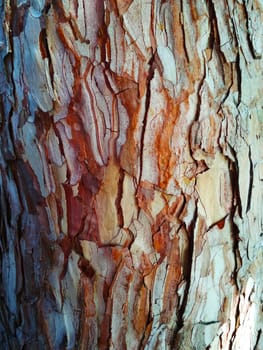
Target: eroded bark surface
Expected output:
[131,174]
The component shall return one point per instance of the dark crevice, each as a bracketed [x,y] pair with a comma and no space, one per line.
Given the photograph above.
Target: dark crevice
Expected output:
[258,337]
[214,38]
[234,176]
[183,31]
[231,342]
[147,106]
[119,198]
[43,44]
[187,277]
[47,6]
[228,92]
[235,238]
[208,322]
[199,95]
[212,18]
[235,248]
[18,17]
[239,78]
[2,114]
[251,178]
[11,138]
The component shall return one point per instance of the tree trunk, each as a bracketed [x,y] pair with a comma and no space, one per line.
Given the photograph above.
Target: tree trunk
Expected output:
[130,171]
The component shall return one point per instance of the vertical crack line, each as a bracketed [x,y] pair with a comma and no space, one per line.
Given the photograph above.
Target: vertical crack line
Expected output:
[214,37]
[46,55]
[234,230]
[234,176]
[212,19]
[119,198]
[199,95]
[237,323]
[257,340]
[239,78]
[145,117]
[251,177]
[181,310]
[183,31]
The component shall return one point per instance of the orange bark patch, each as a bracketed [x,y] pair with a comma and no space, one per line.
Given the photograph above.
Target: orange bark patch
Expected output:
[166,158]
[141,309]
[161,240]
[129,97]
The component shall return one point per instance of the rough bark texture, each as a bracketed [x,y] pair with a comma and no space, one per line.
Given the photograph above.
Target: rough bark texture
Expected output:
[130,173]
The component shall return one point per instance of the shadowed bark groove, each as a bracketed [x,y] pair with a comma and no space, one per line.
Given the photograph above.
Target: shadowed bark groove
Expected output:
[131,175]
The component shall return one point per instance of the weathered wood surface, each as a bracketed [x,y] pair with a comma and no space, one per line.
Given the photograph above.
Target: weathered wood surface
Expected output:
[131,174]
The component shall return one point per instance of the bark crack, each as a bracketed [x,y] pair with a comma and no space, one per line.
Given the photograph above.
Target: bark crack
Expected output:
[183,31]
[147,106]
[187,278]
[251,178]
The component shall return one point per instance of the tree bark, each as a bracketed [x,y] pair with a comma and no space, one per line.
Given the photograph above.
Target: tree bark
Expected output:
[131,174]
